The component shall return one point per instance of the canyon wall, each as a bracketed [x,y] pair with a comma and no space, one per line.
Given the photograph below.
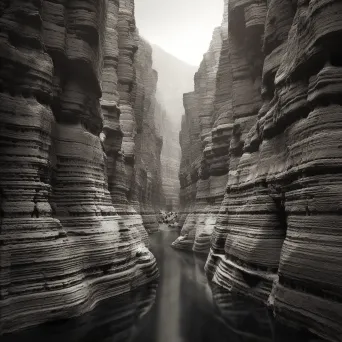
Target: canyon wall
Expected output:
[147,191]
[278,233]
[204,138]
[64,173]
[170,158]
[175,77]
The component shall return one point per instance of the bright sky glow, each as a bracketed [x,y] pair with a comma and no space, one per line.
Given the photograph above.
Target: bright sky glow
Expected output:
[181,27]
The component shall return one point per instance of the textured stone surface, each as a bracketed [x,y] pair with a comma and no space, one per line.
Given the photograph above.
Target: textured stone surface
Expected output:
[147,191]
[277,237]
[206,131]
[170,158]
[63,246]
[123,159]
[175,77]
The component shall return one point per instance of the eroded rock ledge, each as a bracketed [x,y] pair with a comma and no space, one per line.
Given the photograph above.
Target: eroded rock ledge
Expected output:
[64,172]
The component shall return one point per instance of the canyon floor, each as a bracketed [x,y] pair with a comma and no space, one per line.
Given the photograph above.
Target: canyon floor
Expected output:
[181,307]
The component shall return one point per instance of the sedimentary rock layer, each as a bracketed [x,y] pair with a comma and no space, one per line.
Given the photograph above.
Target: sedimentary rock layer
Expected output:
[175,77]
[147,190]
[63,247]
[278,236]
[205,136]
[170,158]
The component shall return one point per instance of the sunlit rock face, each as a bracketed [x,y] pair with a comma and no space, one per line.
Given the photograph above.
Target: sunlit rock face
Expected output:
[278,237]
[205,158]
[63,247]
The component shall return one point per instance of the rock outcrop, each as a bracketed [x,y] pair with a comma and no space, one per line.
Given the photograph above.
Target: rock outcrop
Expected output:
[63,246]
[278,236]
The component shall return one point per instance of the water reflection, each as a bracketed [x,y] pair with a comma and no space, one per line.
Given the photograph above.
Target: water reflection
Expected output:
[113,320]
[186,309]
[247,321]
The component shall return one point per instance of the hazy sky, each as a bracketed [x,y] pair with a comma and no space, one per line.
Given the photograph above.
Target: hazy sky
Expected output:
[181,27]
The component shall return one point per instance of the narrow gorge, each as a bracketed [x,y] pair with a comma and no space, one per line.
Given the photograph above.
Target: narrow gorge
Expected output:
[102,132]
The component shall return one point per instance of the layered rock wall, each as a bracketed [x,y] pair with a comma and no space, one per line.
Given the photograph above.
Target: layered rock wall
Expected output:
[175,77]
[63,246]
[170,158]
[123,161]
[119,317]
[205,158]
[147,193]
[279,237]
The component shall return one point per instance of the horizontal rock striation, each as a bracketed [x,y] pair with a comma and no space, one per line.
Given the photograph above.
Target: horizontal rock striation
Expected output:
[63,246]
[175,77]
[123,159]
[211,102]
[189,168]
[147,191]
[278,238]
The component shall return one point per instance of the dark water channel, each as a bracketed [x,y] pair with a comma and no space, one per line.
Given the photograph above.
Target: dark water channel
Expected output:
[181,308]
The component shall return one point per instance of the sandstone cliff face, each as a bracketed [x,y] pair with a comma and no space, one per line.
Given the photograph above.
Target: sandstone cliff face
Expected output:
[279,239]
[206,130]
[148,183]
[63,246]
[122,173]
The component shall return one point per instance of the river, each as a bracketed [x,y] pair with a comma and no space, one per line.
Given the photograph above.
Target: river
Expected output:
[181,307]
